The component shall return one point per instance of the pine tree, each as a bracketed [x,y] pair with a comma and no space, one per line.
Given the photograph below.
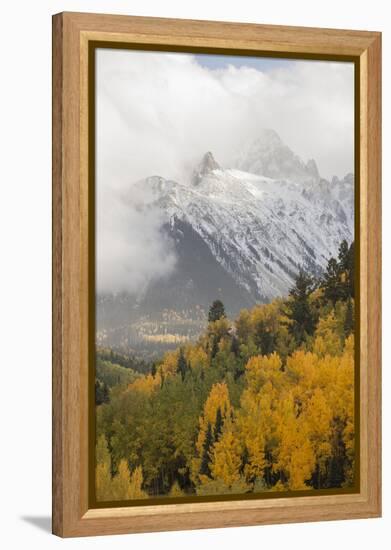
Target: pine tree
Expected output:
[216,311]
[264,339]
[303,320]
[332,282]
[153,369]
[205,459]
[105,393]
[235,348]
[218,424]
[215,347]
[245,458]
[338,281]
[98,393]
[343,255]
[181,364]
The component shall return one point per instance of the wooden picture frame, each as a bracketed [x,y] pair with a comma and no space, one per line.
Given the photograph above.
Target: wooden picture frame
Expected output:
[73,34]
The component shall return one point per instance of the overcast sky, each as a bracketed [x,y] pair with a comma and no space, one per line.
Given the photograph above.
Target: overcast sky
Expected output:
[158,113]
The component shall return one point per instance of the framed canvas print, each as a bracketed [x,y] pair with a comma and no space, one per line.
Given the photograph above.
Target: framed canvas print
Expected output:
[216,274]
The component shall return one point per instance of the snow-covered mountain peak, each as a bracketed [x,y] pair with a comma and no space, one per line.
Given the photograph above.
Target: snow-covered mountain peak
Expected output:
[268,156]
[260,221]
[207,165]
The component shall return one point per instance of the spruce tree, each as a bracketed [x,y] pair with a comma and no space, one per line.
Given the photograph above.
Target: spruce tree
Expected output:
[235,348]
[331,283]
[245,459]
[343,255]
[215,347]
[338,281]
[98,393]
[205,459]
[105,393]
[265,340]
[216,311]
[300,312]
[218,424]
[181,364]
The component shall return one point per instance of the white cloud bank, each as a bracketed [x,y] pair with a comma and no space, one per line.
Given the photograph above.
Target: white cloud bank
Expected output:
[158,113]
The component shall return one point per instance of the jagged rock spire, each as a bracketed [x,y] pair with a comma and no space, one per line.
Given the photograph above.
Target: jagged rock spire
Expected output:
[207,164]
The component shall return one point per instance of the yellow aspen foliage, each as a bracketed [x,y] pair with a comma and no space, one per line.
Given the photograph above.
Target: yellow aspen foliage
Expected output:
[197,357]
[261,369]
[169,364]
[268,315]
[295,456]
[301,370]
[327,336]
[175,490]
[136,481]
[318,415]
[123,486]
[120,484]
[219,328]
[261,409]
[103,482]
[243,324]
[254,425]
[226,457]
[102,473]
[126,486]
[146,384]
[218,400]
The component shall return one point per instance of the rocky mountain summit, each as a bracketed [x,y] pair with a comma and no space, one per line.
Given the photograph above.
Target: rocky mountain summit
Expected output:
[241,234]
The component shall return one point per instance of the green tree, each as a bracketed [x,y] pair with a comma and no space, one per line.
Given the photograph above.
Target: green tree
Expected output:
[102,392]
[205,459]
[218,424]
[338,281]
[331,283]
[303,319]
[181,364]
[215,347]
[216,311]
[264,338]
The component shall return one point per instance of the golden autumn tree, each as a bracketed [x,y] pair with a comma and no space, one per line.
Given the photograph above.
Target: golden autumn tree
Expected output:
[175,490]
[216,410]
[327,339]
[226,456]
[295,456]
[123,485]
[102,472]
[252,405]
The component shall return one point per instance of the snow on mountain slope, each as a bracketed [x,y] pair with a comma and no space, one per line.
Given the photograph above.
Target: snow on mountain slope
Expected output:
[260,230]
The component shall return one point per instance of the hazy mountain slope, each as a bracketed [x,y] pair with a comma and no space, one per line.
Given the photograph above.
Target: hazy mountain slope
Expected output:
[260,230]
[237,235]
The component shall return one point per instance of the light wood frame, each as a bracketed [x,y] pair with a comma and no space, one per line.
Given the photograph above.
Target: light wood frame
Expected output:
[71,35]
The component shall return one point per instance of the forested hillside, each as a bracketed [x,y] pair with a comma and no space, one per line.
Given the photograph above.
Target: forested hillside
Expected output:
[261,403]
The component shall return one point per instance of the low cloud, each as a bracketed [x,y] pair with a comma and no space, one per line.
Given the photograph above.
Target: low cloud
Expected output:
[157,114]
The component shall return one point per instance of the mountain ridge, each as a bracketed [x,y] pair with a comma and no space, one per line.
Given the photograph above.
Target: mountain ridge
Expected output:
[239,236]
